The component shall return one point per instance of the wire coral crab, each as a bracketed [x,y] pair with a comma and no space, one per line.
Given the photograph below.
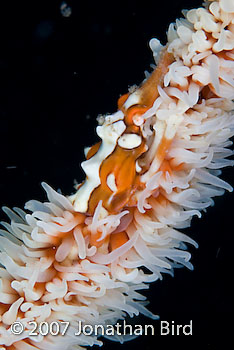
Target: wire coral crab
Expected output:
[85,256]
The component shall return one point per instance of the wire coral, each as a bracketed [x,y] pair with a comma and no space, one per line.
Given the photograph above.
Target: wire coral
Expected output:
[157,165]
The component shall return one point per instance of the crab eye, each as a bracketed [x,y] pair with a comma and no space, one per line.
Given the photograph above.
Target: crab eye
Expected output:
[129,141]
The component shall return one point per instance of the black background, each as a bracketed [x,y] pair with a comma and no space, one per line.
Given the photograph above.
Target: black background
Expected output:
[56,75]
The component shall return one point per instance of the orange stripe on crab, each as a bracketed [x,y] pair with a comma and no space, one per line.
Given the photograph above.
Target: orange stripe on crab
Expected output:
[122,164]
[93,150]
[122,100]
[148,92]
